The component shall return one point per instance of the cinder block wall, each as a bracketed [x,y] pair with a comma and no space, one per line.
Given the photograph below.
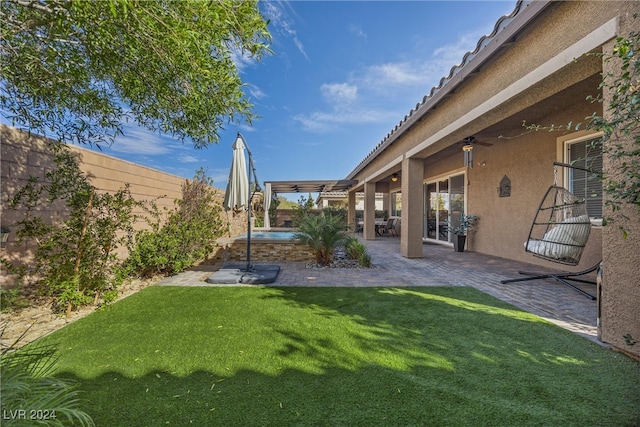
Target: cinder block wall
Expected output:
[23,155]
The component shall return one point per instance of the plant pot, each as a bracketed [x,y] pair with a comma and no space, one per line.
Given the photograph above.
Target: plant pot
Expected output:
[458,242]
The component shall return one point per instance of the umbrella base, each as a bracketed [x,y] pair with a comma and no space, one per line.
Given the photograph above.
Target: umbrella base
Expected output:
[237,273]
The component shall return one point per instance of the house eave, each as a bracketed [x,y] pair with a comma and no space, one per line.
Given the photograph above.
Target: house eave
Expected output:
[503,35]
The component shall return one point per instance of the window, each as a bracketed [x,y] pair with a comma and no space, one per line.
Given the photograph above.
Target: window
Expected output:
[586,153]
[396,204]
[444,201]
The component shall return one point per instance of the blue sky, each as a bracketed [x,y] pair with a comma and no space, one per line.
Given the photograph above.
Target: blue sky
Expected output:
[342,75]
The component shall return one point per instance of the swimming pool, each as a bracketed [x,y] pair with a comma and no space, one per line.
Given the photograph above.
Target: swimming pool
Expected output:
[266,246]
[275,235]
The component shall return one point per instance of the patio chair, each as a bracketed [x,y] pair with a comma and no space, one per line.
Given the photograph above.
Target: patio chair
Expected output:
[357,226]
[388,228]
[396,227]
[559,233]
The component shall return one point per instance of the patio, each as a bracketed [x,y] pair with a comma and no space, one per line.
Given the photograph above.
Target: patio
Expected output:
[441,266]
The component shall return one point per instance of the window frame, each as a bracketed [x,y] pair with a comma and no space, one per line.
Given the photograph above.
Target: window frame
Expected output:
[565,144]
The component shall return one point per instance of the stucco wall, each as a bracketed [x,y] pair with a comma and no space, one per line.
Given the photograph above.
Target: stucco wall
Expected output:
[620,297]
[24,155]
[541,76]
[526,158]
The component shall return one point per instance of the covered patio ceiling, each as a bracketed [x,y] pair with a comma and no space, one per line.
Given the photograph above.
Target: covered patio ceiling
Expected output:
[310,186]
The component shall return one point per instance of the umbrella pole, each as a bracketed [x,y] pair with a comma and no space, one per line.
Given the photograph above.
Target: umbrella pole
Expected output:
[249,234]
[250,171]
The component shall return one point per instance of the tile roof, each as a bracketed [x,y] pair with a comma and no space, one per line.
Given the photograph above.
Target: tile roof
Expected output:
[468,65]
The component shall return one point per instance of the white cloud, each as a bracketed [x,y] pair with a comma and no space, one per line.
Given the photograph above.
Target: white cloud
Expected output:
[187,158]
[402,73]
[385,91]
[256,92]
[282,23]
[139,141]
[339,92]
[327,121]
[241,59]
[358,31]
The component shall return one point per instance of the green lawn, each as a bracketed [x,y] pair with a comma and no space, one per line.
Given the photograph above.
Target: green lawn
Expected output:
[245,356]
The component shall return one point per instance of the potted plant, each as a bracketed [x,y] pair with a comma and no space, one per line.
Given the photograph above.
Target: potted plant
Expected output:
[459,229]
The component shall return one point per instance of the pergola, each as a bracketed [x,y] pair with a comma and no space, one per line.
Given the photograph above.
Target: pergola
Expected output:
[322,186]
[310,186]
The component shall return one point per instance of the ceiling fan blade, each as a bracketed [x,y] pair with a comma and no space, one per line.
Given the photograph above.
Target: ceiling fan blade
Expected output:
[472,140]
[486,144]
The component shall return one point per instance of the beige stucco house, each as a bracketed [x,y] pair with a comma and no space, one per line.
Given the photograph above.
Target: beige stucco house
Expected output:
[340,198]
[538,67]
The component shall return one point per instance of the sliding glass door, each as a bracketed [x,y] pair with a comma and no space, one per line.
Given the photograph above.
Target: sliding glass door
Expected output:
[444,201]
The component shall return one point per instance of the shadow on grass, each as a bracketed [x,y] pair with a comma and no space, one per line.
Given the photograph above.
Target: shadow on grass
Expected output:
[340,356]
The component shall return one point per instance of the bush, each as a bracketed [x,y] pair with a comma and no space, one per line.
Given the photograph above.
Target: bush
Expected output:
[322,233]
[358,251]
[187,236]
[74,260]
[27,385]
[337,211]
[12,299]
[365,259]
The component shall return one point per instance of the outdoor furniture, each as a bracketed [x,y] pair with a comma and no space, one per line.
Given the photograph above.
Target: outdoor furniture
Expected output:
[396,227]
[358,226]
[559,233]
[386,229]
[379,225]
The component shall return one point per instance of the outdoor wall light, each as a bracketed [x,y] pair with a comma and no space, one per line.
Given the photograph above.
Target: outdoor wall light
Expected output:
[394,177]
[468,155]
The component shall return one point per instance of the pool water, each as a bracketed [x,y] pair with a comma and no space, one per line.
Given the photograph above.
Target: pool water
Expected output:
[278,235]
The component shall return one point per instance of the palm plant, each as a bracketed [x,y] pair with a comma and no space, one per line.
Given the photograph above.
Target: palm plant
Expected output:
[31,395]
[322,233]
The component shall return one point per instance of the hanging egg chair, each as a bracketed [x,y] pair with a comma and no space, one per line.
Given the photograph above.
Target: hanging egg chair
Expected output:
[561,227]
[559,233]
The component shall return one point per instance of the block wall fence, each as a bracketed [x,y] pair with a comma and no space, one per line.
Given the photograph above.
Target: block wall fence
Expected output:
[23,155]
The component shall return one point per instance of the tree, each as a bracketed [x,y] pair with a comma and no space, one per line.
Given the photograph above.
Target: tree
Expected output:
[302,209]
[284,203]
[75,260]
[77,70]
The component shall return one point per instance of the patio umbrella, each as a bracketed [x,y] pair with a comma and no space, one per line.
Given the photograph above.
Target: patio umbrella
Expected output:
[237,194]
[267,205]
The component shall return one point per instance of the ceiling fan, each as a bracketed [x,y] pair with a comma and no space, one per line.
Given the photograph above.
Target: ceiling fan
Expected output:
[469,142]
[472,140]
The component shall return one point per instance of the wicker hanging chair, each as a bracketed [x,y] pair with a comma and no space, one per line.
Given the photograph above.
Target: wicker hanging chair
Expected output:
[561,227]
[559,233]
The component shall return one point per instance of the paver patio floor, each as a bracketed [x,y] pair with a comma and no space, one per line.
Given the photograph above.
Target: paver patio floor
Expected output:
[440,266]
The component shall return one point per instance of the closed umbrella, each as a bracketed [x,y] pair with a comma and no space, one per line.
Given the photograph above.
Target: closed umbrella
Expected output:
[237,194]
[267,205]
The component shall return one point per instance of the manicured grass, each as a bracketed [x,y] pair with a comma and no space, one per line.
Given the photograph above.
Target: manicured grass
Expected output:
[245,356]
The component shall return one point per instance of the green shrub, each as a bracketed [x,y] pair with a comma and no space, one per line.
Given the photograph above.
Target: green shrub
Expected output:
[322,233]
[365,259]
[187,236]
[27,385]
[358,251]
[338,211]
[75,259]
[12,299]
